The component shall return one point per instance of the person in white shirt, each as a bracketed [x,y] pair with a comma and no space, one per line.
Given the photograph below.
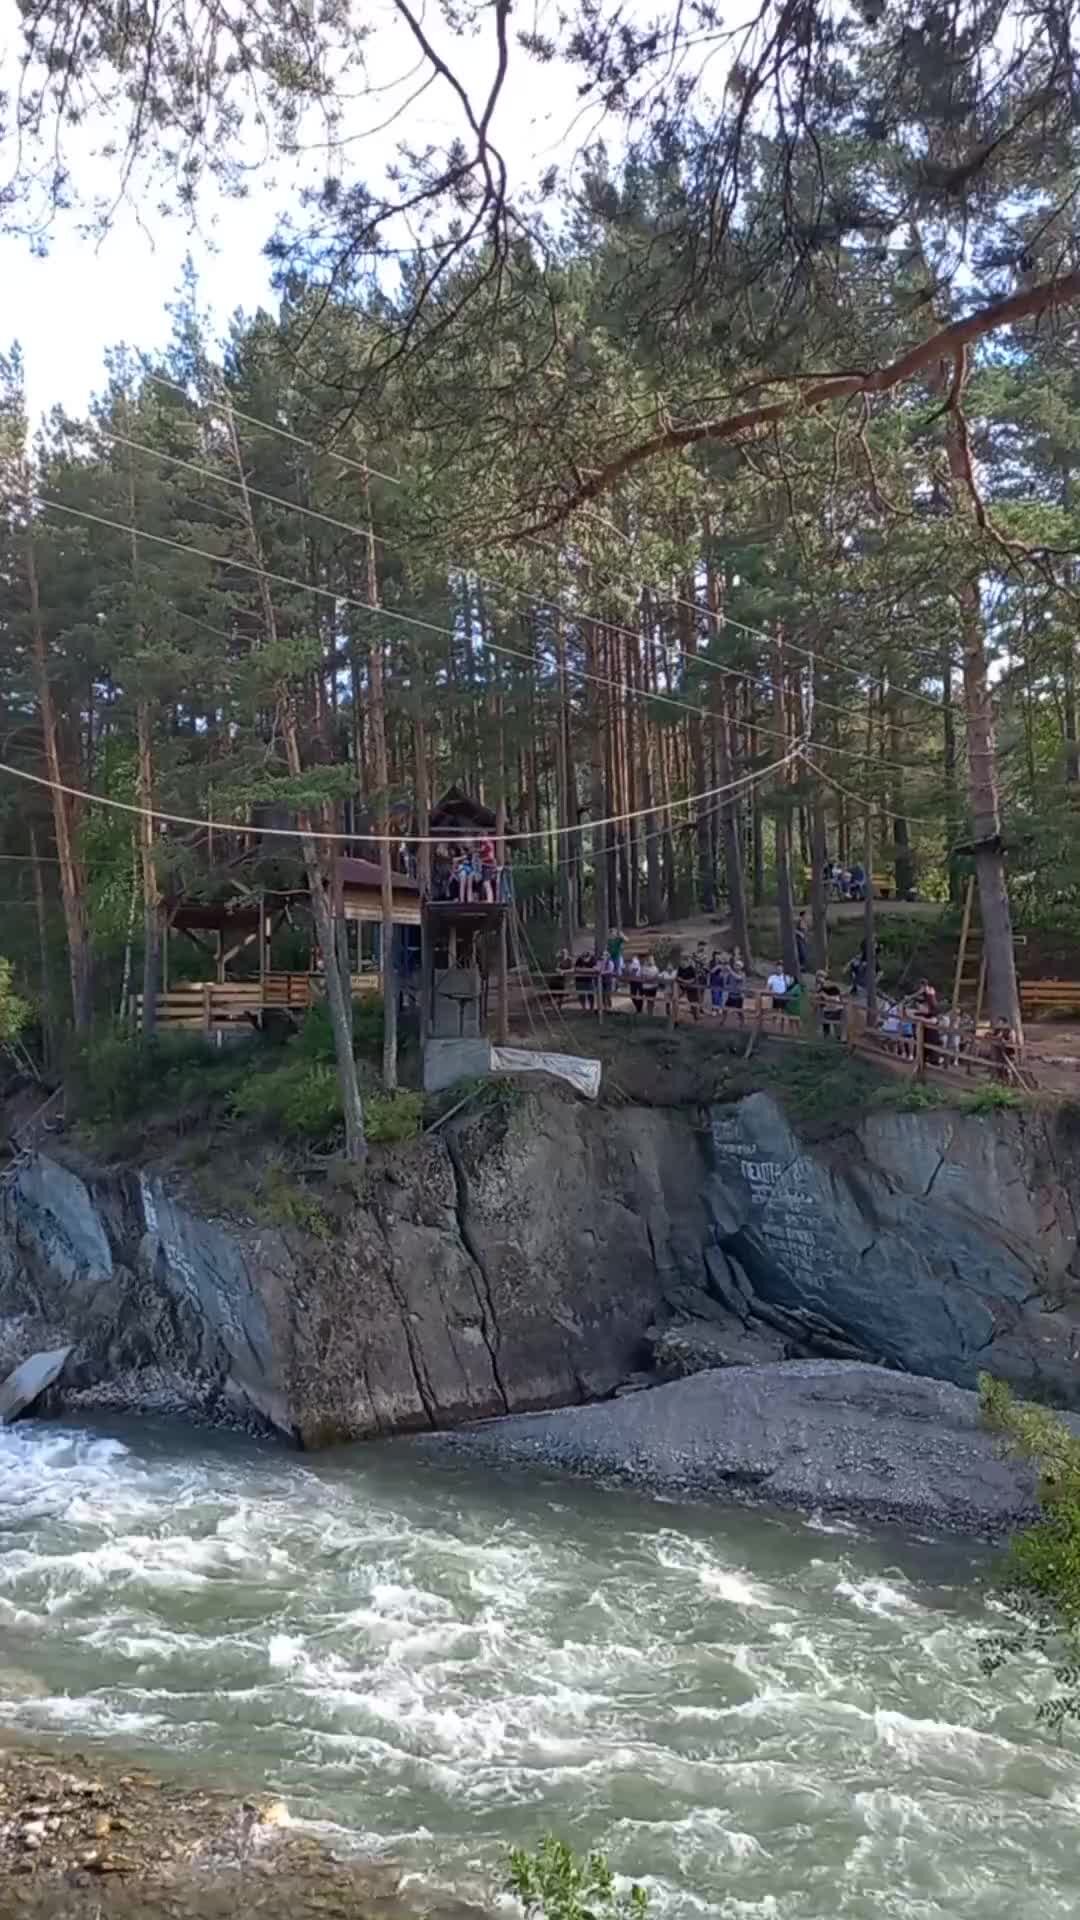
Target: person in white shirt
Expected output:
[777,984]
[650,981]
[633,975]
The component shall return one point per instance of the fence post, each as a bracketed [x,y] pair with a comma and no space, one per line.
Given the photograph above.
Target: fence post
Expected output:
[208,992]
[920,1049]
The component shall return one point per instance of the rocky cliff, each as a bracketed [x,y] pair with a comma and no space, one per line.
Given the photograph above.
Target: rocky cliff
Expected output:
[541,1254]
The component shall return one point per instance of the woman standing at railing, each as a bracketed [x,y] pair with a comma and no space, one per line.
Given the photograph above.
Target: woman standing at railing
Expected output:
[585,980]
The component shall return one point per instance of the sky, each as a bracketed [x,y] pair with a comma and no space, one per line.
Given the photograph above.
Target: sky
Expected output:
[87,295]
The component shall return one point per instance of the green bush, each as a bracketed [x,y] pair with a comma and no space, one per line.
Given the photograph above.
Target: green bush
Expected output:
[302,1098]
[908,1096]
[390,1117]
[14,1011]
[1042,1570]
[288,1204]
[119,1076]
[554,1884]
[315,1040]
[991,1098]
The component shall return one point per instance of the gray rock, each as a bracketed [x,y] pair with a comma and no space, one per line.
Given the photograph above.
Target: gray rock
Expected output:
[828,1436]
[534,1256]
[694,1346]
[28,1382]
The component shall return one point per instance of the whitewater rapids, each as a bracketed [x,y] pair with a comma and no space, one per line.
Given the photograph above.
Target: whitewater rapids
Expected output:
[756,1717]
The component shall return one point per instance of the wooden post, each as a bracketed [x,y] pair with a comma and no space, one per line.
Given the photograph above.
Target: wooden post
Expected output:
[981,993]
[503,975]
[868,921]
[961,951]
[920,1049]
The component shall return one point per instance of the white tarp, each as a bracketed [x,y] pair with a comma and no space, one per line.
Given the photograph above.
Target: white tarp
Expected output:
[582,1074]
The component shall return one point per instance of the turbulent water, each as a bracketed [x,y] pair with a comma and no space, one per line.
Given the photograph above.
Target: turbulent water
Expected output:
[755,1717]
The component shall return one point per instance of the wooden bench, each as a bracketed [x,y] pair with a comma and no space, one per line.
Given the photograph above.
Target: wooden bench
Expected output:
[1049,997]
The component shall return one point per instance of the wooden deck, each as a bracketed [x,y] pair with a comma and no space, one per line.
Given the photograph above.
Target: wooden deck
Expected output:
[222,1006]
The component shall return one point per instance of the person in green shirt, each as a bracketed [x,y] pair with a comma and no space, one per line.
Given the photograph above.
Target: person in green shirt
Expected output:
[615,946]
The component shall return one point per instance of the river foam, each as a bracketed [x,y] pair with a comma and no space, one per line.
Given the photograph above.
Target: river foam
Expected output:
[755,1717]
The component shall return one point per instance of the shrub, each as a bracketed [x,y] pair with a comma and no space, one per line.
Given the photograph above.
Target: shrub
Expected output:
[289,1204]
[315,1040]
[553,1884]
[302,1098]
[120,1076]
[991,1098]
[391,1117]
[1042,1570]
[908,1096]
[14,1012]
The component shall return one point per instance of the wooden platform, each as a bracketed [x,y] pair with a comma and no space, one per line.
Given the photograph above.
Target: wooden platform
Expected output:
[221,1006]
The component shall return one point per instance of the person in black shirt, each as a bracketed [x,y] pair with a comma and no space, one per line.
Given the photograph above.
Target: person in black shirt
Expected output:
[686,974]
[831,1003]
[585,981]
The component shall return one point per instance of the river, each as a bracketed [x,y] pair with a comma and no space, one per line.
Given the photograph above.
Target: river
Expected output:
[757,1717]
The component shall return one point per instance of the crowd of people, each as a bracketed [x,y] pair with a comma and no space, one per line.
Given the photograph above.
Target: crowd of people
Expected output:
[467,871]
[705,984]
[845,883]
[701,982]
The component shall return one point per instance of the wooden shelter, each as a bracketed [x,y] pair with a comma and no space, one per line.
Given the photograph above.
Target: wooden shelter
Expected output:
[457,817]
[361,889]
[462,942]
[226,932]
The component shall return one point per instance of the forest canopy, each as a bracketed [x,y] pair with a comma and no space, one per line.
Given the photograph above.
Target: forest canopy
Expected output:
[720,485]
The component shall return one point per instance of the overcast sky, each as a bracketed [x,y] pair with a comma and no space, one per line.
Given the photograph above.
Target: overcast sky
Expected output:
[85,296]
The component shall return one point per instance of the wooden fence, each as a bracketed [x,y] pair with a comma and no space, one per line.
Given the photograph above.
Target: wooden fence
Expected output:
[931,1047]
[218,1006]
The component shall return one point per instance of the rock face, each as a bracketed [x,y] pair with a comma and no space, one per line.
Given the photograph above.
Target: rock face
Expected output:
[542,1255]
[29,1381]
[514,1262]
[825,1435]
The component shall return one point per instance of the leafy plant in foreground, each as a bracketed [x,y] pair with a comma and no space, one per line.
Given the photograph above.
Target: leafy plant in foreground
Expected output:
[1042,1572]
[554,1884]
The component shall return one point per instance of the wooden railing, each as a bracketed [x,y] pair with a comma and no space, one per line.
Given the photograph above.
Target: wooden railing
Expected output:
[214,1006]
[921,1047]
[1049,996]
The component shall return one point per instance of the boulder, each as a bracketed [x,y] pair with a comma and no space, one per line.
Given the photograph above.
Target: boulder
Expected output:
[28,1382]
[826,1436]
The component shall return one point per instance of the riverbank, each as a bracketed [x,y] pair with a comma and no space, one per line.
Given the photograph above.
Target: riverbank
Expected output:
[821,1436]
[87,1838]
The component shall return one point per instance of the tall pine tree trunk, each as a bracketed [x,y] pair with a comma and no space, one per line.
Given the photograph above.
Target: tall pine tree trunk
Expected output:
[1002,991]
[785,903]
[597,807]
[729,808]
[148,871]
[72,875]
[338,995]
[376,684]
[948,744]
[566,802]
[48,1036]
